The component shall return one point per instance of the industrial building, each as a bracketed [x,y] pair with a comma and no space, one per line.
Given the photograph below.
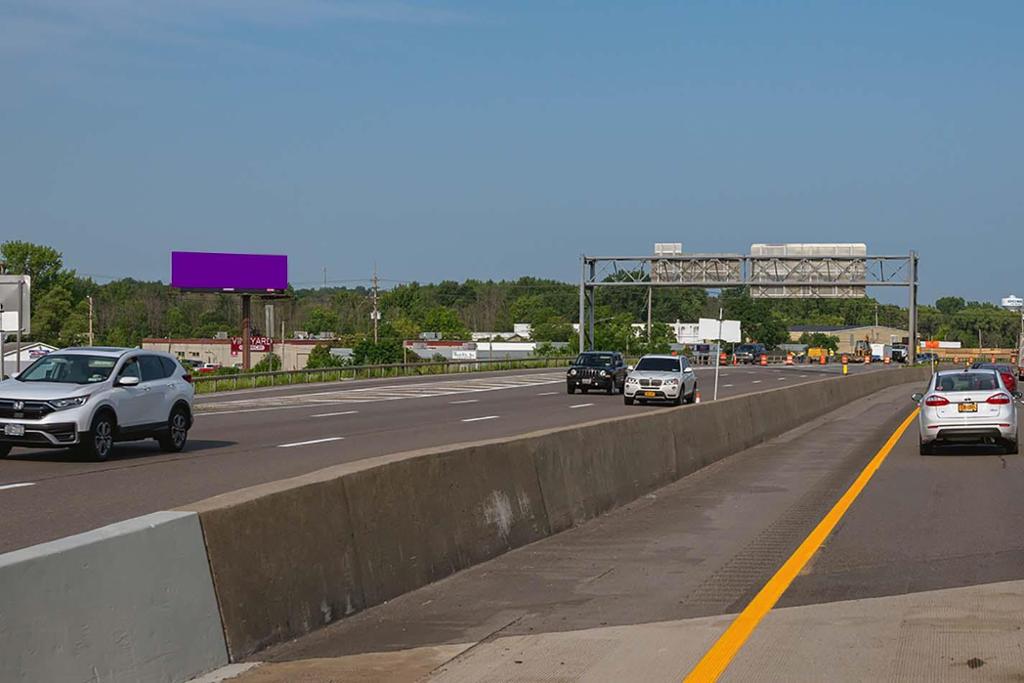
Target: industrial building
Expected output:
[294,353]
[849,335]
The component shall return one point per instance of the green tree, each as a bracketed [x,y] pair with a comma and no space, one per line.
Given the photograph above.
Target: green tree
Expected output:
[269,362]
[321,357]
[553,329]
[950,305]
[385,351]
[322,320]
[820,340]
[446,322]
[44,264]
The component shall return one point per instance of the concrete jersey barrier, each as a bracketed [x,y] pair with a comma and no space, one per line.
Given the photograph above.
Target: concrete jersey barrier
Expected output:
[130,602]
[291,556]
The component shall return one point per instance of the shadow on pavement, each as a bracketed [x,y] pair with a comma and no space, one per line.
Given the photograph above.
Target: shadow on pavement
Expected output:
[122,451]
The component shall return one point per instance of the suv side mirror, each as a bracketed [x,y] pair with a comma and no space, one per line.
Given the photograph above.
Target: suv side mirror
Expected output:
[917,397]
[129,381]
[1018,394]
[630,368]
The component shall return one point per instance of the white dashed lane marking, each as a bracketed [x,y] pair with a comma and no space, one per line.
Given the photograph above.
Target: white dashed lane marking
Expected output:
[480,419]
[459,403]
[757,381]
[582,405]
[311,442]
[19,485]
[395,392]
[343,412]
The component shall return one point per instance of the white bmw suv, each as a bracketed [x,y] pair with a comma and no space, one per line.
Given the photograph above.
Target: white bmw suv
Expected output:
[88,398]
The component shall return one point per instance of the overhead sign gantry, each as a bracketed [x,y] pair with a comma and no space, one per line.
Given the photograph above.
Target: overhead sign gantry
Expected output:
[798,271]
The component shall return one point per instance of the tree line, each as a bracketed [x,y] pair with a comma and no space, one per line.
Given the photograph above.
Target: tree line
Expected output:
[127,310]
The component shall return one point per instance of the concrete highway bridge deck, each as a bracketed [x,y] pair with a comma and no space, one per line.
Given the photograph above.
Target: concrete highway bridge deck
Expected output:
[249,437]
[920,577]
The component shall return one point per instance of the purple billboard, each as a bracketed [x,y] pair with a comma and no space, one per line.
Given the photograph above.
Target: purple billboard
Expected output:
[229,272]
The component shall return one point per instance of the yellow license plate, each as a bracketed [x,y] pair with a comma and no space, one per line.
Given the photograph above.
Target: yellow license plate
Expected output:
[650,394]
[968,407]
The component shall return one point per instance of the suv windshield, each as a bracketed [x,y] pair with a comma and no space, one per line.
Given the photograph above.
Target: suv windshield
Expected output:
[594,359]
[658,365]
[69,369]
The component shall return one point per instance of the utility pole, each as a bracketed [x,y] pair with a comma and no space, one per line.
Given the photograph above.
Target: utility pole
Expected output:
[89,299]
[876,314]
[376,311]
[650,290]
[325,277]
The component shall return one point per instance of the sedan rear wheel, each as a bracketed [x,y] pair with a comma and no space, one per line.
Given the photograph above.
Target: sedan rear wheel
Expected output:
[1010,447]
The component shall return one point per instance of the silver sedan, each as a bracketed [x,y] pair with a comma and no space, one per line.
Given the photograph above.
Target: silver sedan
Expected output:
[967,406]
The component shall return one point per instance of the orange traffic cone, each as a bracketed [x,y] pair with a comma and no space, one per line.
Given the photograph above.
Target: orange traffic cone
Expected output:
[789,358]
[887,360]
[696,396]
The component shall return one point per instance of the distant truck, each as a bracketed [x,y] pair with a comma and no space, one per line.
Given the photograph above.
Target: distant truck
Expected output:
[879,352]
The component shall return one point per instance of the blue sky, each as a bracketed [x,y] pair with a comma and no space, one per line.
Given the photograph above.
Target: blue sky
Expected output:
[496,139]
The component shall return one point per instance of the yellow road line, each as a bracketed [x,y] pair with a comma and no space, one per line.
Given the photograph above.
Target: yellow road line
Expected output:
[721,654]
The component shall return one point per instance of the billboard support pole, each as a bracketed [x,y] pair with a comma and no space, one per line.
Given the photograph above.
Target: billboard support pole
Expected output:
[3,356]
[246,330]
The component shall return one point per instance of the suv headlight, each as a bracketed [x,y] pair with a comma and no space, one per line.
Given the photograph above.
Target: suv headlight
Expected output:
[604,373]
[65,403]
[672,382]
[572,373]
[631,380]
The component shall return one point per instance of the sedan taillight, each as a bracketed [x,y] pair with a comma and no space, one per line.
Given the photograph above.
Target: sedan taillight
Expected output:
[999,400]
[936,401]
[187,378]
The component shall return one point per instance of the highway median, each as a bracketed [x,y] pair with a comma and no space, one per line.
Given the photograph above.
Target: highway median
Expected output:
[295,555]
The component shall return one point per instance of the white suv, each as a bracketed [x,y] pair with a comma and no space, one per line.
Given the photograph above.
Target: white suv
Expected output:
[88,398]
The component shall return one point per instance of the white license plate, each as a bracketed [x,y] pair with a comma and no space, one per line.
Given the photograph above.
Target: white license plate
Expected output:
[14,430]
[587,381]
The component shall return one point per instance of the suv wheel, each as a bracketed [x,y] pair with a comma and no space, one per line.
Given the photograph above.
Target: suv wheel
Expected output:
[628,400]
[99,440]
[926,448]
[5,450]
[570,388]
[177,432]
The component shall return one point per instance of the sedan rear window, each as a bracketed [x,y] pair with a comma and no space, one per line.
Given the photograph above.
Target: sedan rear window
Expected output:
[658,365]
[967,381]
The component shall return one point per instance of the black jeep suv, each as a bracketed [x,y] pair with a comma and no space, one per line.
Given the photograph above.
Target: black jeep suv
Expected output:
[597,370]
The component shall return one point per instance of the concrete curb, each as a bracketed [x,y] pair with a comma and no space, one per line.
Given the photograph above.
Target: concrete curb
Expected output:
[290,556]
[128,602]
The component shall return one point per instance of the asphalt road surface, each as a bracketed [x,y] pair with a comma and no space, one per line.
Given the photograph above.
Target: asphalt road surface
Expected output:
[922,579]
[250,437]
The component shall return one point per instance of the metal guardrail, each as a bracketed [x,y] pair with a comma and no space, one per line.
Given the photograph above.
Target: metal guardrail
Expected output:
[206,384]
